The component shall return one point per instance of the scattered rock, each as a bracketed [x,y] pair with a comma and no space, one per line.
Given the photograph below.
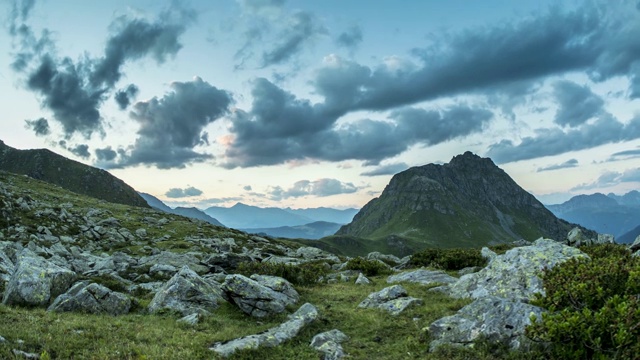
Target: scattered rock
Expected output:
[422,276]
[2,340]
[636,244]
[328,343]
[192,319]
[362,280]
[393,299]
[187,293]
[259,296]
[388,259]
[305,315]
[91,298]
[25,355]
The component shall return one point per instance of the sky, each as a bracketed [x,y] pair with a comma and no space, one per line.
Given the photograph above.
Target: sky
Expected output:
[318,103]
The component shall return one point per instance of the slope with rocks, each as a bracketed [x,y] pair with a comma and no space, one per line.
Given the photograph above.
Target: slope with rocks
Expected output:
[468,202]
[50,167]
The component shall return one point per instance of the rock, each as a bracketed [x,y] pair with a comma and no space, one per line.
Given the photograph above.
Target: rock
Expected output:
[187,293]
[305,315]
[422,276]
[496,319]
[227,261]
[388,259]
[162,271]
[192,319]
[313,253]
[393,299]
[605,239]
[577,238]
[141,233]
[6,267]
[469,270]
[636,244]
[36,281]
[91,298]
[362,280]
[259,296]
[176,260]
[344,276]
[25,355]
[514,274]
[328,343]
[488,253]
[2,340]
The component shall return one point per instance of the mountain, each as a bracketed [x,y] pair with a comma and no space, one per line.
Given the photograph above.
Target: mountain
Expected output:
[607,214]
[314,230]
[326,214]
[241,216]
[630,236]
[191,212]
[469,202]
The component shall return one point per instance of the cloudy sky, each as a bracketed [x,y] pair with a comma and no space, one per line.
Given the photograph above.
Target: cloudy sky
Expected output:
[318,103]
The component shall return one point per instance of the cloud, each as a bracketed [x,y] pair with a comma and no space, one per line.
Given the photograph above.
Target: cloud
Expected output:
[320,188]
[599,40]
[302,28]
[75,90]
[19,13]
[81,150]
[611,178]
[626,154]
[175,193]
[388,169]
[571,163]
[554,141]
[105,155]
[280,128]
[247,188]
[172,126]
[350,38]
[124,97]
[40,126]
[577,104]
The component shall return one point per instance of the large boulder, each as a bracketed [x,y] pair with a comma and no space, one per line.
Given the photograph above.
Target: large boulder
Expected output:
[514,274]
[91,298]
[305,315]
[393,299]
[328,343]
[260,295]
[422,276]
[187,293]
[36,281]
[176,260]
[495,319]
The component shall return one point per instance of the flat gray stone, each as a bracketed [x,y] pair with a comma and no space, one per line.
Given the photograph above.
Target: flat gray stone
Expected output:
[422,276]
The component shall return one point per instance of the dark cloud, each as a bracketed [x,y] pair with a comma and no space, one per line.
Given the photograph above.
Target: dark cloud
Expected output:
[175,193]
[598,40]
[302,29]
[125,96]
[259,5]
[281,127]
[75,90]
[172,126]
[626,154]
[571,163]
[81,150]
[387,169]
[350,38]
[40,126]
[105,155]
[555,141]
[611,178]
[577,104]
[247,188]
[319,188]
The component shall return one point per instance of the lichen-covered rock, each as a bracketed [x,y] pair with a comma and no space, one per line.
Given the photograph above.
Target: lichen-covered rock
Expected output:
[176,260]
[186,292]
[493,318]
[259,296]
[362,280]
[305,315]
[91,298]
[422,276]
[577,238]
[36,281]
[393,299]
[514,274]
[386,258]
[328,343]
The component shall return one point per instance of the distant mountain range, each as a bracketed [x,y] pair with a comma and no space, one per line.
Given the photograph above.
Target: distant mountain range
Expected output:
[314,230]
[45,165]
[469,202]
[609,214]
[190,212]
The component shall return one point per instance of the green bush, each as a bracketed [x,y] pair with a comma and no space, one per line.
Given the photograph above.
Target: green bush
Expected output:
[594,309]
[448,259]
[368,267]
[304,274]
[606,250]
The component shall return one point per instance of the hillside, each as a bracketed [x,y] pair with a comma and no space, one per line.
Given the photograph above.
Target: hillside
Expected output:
[468,202]
[607,214]
[314,230]
[190,212]
[242,216]
[630,236]
[55,169]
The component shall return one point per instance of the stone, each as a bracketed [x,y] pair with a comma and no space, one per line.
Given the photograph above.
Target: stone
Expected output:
[635,246]
[422,276]
[328,343]
[162,271]
[2,340]
[36,281]
[259,296]
[141,233]
[493,318]
[25,355]
[488,253]
[187,293]
[393,299]
[514,274]
[192,319]
[362,280]
[176,260]
[469,270]
[577,238]
[227,261]
[606,239]
[388,259]
[91,298]
[305,315]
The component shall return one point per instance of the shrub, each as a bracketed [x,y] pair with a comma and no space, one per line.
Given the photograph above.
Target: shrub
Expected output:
[594,306]
[368,267]
[303,274]
[448,259]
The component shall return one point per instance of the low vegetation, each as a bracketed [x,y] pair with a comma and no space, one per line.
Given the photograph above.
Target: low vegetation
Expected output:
[305,274]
